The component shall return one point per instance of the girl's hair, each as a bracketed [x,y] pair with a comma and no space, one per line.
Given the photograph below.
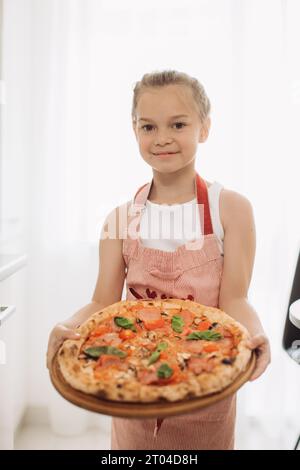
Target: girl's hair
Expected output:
[172,77]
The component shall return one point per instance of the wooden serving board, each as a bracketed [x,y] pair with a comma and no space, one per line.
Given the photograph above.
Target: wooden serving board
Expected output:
[143,410]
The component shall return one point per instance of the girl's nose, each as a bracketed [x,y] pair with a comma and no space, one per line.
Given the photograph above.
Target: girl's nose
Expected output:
[162,139]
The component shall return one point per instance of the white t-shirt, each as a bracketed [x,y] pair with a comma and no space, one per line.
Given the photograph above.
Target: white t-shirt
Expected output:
[167,226]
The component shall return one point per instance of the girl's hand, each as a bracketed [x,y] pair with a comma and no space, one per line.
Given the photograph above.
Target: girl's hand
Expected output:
[57,336]
[261,345]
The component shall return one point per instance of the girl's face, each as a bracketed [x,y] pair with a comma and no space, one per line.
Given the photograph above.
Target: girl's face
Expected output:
[168,127]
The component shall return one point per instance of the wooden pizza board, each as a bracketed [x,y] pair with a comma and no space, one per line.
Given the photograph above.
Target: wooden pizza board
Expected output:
[143,410]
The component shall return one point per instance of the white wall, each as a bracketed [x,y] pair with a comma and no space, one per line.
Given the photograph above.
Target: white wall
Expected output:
[15,150]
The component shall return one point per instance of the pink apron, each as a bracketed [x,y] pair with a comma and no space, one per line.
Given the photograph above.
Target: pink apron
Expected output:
[194,272]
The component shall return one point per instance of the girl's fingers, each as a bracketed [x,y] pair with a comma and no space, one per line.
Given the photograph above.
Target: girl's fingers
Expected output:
[255,341]
[60,333]
[262,361]
[67,333]
[261,366]
[72,335]
[260,344]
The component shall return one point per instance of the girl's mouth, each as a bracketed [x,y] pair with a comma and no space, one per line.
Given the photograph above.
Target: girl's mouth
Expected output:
[165,154]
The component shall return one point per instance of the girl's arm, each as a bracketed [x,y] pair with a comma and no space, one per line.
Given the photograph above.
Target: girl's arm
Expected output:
[239,253]
[108,289]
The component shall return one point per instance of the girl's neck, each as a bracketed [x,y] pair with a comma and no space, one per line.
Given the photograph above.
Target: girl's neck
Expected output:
[173,188]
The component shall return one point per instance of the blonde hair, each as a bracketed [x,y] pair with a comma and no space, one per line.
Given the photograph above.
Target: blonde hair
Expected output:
[172,77]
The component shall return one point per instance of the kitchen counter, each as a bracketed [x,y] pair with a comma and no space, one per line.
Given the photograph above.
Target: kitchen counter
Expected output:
[9,264]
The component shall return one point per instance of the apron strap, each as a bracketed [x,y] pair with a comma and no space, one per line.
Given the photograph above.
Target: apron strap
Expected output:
[202,198]
[138,198]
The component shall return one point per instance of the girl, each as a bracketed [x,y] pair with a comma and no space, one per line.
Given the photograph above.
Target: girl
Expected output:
[170,116]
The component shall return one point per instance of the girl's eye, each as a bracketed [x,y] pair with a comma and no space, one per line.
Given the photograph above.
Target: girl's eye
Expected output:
[181,123]
[176,123]
[147,125]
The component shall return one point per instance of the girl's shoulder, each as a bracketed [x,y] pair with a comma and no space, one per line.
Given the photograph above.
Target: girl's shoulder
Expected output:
[234,208]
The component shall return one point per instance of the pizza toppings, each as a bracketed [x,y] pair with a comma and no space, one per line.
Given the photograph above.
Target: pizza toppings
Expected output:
[110,338]
[151,318]
[97,351]
[204,325]
[162,375]
[149,315]
[194,347]
[154,325]
[164,371]
[108,360]
[228,360]
[177,323]
[182,359]
[147,343]
[126,334]
[211,348]
[100,330]
[193,352]
[208,335]
[188,317]
[157,353]
[226,345]
[201,364]
[125,323]
[181,322]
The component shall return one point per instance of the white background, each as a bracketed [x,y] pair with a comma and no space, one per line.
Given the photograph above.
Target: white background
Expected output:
[69,156]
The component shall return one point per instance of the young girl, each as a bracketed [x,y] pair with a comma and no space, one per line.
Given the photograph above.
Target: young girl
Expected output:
[170,116]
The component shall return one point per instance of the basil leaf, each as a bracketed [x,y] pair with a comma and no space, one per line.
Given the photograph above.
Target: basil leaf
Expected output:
[124,323]
[162,346]
[164,371]
[177,323]
[97,351]
[208,335]
[155,355]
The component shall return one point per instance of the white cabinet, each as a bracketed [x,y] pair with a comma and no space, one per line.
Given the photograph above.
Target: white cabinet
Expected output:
[6,382]
[13,353]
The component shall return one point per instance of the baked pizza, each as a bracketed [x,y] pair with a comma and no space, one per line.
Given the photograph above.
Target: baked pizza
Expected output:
[148,351]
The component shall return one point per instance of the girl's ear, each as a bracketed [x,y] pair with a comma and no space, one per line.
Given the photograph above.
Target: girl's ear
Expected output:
[204,131]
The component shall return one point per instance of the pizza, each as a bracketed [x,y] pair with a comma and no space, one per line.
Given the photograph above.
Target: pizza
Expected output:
[148,351]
